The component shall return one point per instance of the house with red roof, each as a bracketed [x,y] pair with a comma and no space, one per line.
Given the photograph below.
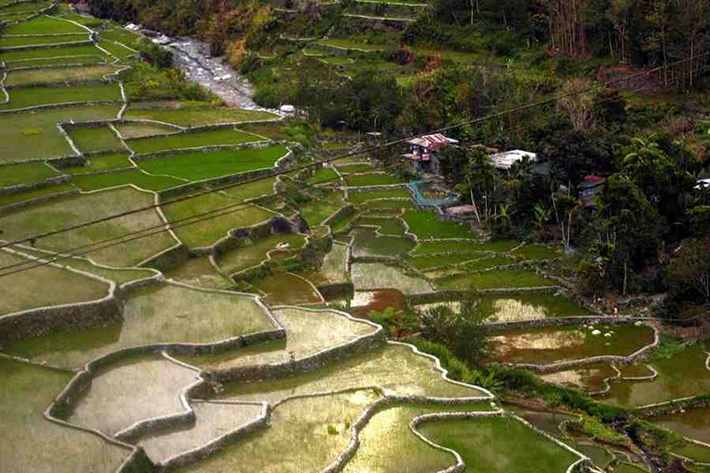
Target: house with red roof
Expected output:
[423,153]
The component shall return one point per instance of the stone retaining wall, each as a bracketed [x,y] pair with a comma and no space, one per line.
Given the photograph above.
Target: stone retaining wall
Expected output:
[33,47]
[21,188]
[7,209]
[37,322]
[168,259]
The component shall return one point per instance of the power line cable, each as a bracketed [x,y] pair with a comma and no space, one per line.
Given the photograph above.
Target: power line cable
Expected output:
[352,153]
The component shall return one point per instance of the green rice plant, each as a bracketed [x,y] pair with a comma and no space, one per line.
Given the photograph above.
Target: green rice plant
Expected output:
[35,194]
[287,288]
[43,25]
[444,246]
[50,75]
[536,252]
[373,179]
[681,375]
[222,136]
[11,42]
[497,279]
[253,253]
[119,51]
[350,168]
[371,276]
[199,272]
[122,36]
[88,21]
[94,139]
[427,225]
[26,7]
[251,190]
[21,98]
[207,165]
[25,174]
[31,442]
[325,176]
[159,314]
[44,54]
[140,130]
[43,286]
[367,243]
[136,177]
[315,212]
[387,206]
[102,162]
[193,115]
[28,136]
[436,260]
[208,231]
[337,60]
[500,436]
[72,210]
[387,226]
[360,197]
[72,60]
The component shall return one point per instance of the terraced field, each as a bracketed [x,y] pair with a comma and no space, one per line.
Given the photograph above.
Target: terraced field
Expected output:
[150,342]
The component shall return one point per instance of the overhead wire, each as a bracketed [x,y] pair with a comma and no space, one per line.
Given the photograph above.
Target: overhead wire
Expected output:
[67,254]
[349,154]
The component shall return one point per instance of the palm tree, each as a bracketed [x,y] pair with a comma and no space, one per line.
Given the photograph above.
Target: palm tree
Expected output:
[504,216]
[542,216]
[641,151]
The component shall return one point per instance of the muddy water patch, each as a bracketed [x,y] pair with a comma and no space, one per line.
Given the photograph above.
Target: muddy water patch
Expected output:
[692,423]
[589,378]
[287,288]
[372,276]
[549,345]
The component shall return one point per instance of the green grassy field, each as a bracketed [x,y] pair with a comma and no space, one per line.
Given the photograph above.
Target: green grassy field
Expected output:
[28,7]
[35,194]
[119,51]
[21,98]
[370,276]
[123,36]
[94,139]
[252,190]
[187,115]
[11,42]
[224,136]
[68,60]
[140,130]
[426,225]
[387,226]
[46,54]
[325,176]
[31,443]
[426,262]
[120,178]
[45,76]
[317,211]
[44,25]
[27,136]
[373,179]
[25,174]
[102,162]
[199,166]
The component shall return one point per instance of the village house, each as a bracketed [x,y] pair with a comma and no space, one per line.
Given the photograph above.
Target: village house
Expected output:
[588,189]
[423,155]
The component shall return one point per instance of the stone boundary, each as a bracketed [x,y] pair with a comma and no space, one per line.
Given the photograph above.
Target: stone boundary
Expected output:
[56,106]
[7,209]
[21,188]
[618,377]
[34,47]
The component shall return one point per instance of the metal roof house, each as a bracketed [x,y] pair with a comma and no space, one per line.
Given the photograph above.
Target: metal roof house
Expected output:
[506,159]
[423,155]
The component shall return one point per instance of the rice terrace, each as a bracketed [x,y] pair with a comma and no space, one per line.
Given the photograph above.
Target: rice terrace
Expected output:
[195,279]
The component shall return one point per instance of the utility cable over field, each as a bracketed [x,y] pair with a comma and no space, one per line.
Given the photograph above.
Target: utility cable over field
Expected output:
[220,212]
